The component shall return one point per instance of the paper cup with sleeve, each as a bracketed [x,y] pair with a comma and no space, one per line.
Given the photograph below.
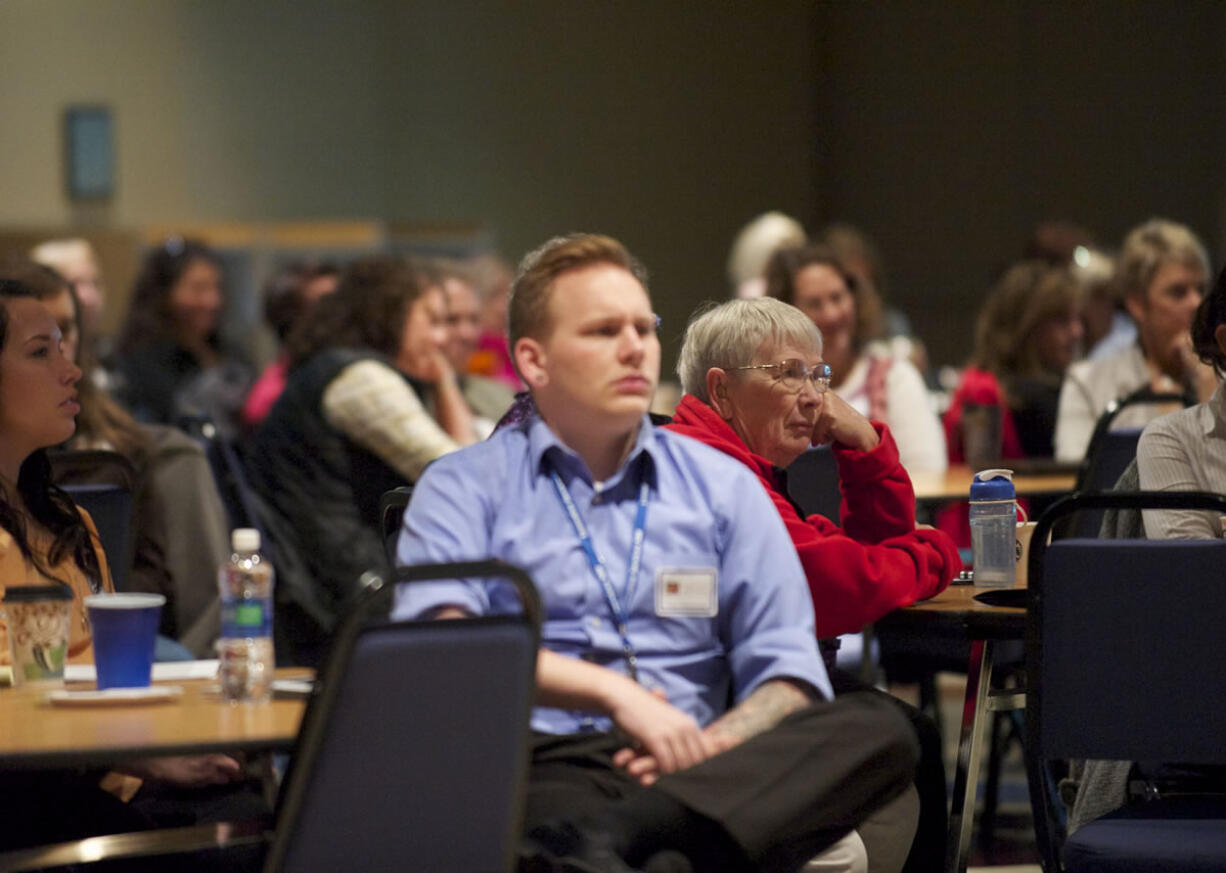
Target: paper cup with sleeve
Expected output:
[1025,530]
[37,619]
[125,630]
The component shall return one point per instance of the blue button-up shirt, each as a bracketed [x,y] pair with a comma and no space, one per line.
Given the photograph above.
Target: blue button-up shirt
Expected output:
[497,500]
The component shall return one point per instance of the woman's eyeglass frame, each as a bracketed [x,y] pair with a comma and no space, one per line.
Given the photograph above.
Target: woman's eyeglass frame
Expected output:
[793,372]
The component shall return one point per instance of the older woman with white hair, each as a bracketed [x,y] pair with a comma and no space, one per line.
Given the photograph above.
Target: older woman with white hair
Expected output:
[756,388]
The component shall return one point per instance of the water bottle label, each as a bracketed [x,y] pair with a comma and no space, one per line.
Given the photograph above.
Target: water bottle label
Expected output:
[246,618]
[248,615]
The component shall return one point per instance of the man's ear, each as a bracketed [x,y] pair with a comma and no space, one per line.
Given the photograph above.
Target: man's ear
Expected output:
[530,361]
[717,392]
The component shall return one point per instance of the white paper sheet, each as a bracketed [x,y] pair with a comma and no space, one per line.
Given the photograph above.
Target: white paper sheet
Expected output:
[170,671]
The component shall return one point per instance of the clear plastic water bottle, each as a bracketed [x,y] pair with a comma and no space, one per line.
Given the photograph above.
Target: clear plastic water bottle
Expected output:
[245,649]
[994,529]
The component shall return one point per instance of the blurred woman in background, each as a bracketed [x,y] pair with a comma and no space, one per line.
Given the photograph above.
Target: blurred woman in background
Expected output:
[1186,450]
[873,381]
[371,399]
[1028,333]
[1161,276]
[170,357]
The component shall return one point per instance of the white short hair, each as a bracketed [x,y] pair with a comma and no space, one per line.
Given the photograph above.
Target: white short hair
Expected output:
[757,241]
[63,254]
[1150,246]
[730,334]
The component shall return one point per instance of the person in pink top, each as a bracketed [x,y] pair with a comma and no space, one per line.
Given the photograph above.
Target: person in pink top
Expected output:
[287,296]
[492,358]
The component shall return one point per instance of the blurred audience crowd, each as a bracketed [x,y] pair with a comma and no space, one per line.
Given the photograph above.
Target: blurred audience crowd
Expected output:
[389,362]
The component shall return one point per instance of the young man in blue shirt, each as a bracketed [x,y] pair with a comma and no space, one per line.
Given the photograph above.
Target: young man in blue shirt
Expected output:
[679,684]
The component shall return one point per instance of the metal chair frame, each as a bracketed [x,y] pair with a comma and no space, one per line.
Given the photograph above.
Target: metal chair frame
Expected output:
[392,505]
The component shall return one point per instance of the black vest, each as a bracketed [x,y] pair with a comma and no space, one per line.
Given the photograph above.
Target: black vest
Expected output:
[322,491]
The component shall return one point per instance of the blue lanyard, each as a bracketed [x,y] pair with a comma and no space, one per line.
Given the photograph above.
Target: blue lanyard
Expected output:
[616,604]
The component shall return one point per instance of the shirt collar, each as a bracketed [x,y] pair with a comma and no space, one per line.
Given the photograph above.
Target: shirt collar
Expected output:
[543,441]
[1216,422]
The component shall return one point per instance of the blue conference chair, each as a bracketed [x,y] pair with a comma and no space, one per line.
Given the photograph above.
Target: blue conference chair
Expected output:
[1108,454]
[813,484]
[110,506]
[104,484]
[413,751]
[1123,648]
[392,505]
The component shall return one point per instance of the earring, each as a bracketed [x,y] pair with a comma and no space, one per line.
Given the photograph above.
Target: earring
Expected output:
[540,379]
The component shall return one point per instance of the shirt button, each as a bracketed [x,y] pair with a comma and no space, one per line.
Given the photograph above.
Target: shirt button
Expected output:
[596,501]
[595,621]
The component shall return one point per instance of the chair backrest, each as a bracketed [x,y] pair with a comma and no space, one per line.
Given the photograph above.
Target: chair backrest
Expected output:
[813,484]
[414,748]
[103,482]
[110,506]
[392,505]
[1113,452]
[1109,456]
[1123,640]
[226,463]
[1144,396]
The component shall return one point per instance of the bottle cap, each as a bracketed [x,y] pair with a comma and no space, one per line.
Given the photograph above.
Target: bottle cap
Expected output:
[245,539]
[992,484]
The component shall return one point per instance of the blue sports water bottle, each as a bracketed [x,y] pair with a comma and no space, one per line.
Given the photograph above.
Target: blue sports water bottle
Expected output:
[994,529]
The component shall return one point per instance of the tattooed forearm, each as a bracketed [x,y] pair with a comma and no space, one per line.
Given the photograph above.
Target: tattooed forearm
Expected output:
[759,712]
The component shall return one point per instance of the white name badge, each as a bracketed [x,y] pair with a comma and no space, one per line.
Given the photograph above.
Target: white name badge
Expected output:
[687,591]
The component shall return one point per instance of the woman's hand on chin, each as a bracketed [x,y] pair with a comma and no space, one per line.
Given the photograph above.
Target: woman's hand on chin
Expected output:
[435,369]
[839,423]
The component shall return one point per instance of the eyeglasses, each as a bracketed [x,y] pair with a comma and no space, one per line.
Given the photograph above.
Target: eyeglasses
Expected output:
[793,372]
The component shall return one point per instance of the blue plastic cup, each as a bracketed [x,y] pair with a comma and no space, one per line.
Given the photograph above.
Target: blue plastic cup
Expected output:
[125,628]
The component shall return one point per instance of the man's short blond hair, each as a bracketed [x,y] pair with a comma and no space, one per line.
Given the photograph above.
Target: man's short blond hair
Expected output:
[528,310]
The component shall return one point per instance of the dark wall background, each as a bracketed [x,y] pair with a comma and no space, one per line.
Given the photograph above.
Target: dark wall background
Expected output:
[667,125]
[949,131]
[945,130]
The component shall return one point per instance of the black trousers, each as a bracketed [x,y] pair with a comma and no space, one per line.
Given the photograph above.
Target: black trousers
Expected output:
[782,796]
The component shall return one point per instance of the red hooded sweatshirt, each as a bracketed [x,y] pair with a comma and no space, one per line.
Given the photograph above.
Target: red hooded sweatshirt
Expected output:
[874,564]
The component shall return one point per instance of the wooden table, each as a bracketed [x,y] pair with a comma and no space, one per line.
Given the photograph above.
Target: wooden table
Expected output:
[955,484]
[955,613]
[35,733]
